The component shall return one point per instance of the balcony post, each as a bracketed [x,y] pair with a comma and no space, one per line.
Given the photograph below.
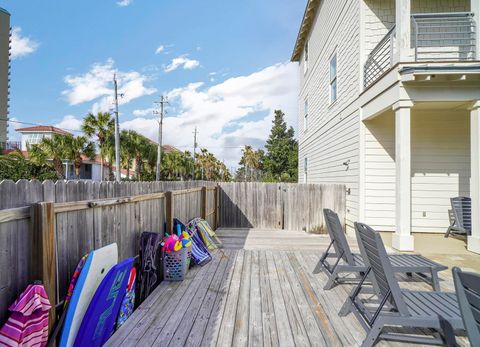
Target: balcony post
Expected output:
[475,8]
[474,239]
[403,30]
[402,239]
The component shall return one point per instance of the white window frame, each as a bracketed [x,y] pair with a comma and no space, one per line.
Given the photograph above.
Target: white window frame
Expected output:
[305,58]
[305,114]
[305,169]
[333,78]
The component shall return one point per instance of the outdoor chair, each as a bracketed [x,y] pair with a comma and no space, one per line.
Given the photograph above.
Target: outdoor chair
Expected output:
[467,288]
[460,216]
[397,312]
[348,262]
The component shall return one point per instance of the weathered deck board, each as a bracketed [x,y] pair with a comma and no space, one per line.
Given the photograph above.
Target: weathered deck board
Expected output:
[252,297]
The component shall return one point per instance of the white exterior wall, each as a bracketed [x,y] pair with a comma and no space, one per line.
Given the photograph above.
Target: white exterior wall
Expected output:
[40,135]
[380,172]
[332,136]
[440,168]
[97,172]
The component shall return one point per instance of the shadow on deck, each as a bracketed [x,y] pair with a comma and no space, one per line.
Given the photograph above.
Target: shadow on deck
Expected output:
[258,290]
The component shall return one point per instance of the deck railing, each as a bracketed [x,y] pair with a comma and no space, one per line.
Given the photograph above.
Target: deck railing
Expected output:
[435,37]
[380,58]
[10,145]
[443,36]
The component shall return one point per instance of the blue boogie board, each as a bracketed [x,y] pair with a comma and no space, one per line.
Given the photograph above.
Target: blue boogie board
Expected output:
[98,264]
[99,320]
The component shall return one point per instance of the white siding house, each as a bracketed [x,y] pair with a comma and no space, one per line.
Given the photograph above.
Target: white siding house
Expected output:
[90,169]
[392,89]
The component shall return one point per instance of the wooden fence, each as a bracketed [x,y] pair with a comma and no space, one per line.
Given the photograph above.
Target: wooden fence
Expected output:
[279,205]
[45,228]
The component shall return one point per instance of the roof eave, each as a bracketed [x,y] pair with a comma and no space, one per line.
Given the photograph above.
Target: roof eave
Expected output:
[307,21]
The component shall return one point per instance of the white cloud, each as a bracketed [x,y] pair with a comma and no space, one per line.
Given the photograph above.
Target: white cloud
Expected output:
[160,49]
[182,61]
[97,83]
[22,45]
[70,123]
[228,115]
[144,112]
[123,3]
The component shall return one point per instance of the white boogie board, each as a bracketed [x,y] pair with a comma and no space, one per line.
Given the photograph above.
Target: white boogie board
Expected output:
[96,267]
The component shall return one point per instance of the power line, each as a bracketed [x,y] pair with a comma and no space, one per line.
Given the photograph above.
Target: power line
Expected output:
[79,131]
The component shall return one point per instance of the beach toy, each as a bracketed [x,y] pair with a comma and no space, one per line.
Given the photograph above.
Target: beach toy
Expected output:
[185,239]
[172,244]
[179,229]
[186,243]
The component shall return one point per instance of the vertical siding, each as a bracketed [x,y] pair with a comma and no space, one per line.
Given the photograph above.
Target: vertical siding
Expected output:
[332,134]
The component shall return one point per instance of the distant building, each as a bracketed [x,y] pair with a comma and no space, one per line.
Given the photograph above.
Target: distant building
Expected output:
[34,135]
[90,170]
[4,73]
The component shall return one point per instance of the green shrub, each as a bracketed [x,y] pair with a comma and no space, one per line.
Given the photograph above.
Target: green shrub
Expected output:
[15,167]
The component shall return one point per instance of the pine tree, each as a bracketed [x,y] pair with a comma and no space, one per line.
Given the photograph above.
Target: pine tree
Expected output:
[281,159]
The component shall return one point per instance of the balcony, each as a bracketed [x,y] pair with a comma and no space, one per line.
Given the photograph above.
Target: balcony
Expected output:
[10,145]
[435,37]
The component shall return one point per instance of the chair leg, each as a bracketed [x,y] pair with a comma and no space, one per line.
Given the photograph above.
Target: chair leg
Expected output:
[347,307]
[449,230]
[435,281]
[372,335]
[331,280]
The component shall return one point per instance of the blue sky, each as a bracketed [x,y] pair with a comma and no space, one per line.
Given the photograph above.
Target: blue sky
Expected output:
[223,64]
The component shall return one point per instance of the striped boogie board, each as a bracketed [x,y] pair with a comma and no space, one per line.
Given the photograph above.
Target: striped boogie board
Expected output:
[99,320]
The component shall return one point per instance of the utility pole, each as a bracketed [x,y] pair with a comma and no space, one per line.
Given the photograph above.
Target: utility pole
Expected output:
[162,102]
[194,151]
[117,133]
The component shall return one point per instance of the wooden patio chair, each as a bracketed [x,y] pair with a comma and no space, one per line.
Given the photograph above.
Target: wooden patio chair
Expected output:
[460,216]
[467,288]
[348,262]
[397,309]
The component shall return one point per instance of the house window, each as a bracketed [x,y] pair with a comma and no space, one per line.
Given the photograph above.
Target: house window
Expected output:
[305,169]
[305,59]
[305,115]
[333,78]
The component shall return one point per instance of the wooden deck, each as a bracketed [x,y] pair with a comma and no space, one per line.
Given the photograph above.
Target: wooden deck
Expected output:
[259,290]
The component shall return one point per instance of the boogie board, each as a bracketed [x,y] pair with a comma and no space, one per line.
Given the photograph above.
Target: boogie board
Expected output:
[99,320]
[96,267]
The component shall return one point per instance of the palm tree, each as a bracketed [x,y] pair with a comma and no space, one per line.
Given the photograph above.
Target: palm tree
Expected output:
[139,143]
[127,149]
[187,163]
[53,149]
[76,149]
[101,126]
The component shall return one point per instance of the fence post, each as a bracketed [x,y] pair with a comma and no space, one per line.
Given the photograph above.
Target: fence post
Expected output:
[169,211]
[204,203]
[44,256]
[217,207]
